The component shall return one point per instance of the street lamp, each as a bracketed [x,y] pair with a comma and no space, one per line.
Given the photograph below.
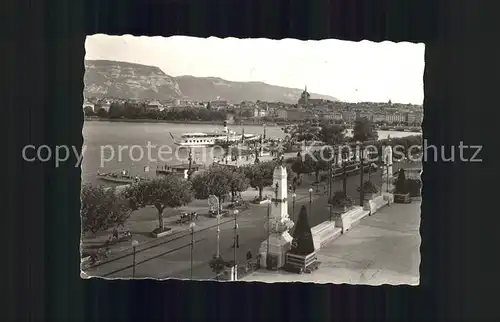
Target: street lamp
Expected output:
[236,241]
[310,200]
[134,245]
[190,159]
[191,226]
[361,173]
[294,195]
[218,227]
[268,261]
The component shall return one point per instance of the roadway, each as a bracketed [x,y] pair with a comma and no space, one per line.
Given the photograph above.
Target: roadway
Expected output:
[171,257]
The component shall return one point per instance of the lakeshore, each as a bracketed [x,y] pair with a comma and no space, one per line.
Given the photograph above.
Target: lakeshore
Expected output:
[103,140]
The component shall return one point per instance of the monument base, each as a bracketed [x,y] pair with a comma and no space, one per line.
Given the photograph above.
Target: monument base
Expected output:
[279,245]
[389,197]
[301,263]
[349,218]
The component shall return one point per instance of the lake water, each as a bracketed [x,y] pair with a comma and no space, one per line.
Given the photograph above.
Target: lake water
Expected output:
[103,141]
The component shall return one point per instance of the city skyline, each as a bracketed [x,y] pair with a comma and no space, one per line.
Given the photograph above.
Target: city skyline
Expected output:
[389,71]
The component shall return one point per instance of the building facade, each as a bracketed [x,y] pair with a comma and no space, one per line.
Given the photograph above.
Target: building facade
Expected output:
[392,118]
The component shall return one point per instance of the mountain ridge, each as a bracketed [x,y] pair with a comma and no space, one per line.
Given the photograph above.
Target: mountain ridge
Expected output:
[107,78]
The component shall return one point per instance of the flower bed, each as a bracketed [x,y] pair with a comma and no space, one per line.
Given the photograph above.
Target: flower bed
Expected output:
[157,232]
[369,190]
[341,200]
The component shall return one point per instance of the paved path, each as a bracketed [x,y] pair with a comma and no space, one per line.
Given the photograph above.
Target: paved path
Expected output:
[170,256]
[381,249]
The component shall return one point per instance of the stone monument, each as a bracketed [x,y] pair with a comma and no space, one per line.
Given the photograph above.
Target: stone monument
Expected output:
[278,224]
[387,160]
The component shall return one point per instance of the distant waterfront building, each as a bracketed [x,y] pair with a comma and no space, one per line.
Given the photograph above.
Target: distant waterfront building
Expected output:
[259,112]
[306,100]
[296,115]
[414,118]
[348,116]
[219,104]
[379,117]
[364,114]
[282,114]
[154,106]
[392,118]
[337,116]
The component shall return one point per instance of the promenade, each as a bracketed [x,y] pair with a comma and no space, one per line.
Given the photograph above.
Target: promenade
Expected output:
[171,256]
[382,249]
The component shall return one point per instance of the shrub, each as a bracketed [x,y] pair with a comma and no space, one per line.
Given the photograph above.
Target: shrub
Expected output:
[341,199]
[413,186]
[368,187]
[401,187]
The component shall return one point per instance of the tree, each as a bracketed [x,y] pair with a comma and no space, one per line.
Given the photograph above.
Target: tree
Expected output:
[332,134]
[215,181]
[166,191]
[88,111]
[238,182]
[260,175]
[304,132]
[102,112]
[316,164]
[400,186]
[364,130]
[299,166]
[102,208]
[115,110]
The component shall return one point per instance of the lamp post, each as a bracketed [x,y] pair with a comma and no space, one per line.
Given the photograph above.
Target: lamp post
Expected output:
[218,227]
[190,159]
[294,195]
[268,261]
[236,241]
[191,226]
[387,171]
[361,174]
[344,181]
[134,245]
[310,199]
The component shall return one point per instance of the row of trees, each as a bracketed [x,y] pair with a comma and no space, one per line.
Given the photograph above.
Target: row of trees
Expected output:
[104,208]
[331,133]
[130,110]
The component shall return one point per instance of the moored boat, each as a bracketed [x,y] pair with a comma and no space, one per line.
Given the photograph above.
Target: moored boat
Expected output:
[209,139]
[117,177]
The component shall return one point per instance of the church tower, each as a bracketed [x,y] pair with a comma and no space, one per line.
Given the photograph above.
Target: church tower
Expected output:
[304,98]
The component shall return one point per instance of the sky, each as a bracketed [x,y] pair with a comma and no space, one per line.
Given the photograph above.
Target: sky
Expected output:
[350,71]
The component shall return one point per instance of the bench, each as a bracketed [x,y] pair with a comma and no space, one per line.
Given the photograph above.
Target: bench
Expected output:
[324,232]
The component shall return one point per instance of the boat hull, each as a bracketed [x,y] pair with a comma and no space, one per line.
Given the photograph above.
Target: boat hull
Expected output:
[115,180]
